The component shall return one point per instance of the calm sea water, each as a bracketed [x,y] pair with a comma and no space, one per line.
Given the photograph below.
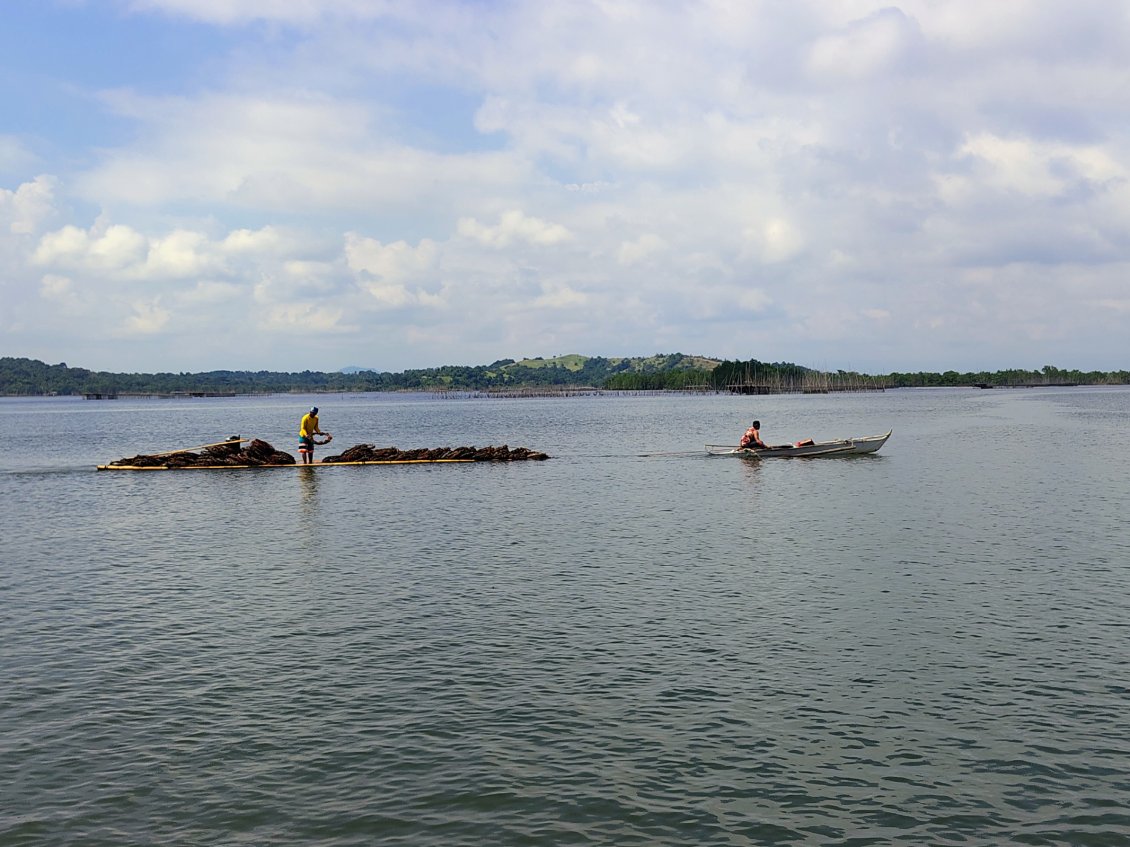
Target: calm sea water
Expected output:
[632,643]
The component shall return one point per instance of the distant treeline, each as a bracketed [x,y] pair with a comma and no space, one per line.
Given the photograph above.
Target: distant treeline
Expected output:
[32,377]
[27,376]
[726,375]
[672,372]
[784,376]
[1047,375]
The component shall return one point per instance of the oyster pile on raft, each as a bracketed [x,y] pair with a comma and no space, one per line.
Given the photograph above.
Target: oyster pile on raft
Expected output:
[258,453]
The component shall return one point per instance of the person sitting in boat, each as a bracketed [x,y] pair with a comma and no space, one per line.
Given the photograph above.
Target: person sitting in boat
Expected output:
[752,438]
[306,432]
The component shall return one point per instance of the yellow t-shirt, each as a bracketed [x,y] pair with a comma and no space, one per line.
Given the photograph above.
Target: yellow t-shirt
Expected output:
[309,426]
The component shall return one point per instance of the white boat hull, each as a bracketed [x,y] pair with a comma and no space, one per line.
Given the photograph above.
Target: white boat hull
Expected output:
[840,447]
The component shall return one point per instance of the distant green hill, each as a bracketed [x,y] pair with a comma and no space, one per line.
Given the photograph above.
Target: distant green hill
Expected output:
[643,364]
[571,362]
[576,362]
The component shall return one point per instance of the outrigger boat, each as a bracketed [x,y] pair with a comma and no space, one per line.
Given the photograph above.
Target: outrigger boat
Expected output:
[841,447]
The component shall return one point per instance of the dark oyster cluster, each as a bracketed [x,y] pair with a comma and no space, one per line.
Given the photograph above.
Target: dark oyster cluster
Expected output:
[369,453]
[231,454]
[259,452]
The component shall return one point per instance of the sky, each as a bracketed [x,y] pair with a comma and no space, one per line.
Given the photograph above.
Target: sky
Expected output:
[190,185]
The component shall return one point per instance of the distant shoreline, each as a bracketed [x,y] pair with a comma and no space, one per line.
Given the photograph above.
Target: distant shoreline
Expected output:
[563,375]
[521,393]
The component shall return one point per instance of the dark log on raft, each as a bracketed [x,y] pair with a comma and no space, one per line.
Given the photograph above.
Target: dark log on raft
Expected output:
[369,453]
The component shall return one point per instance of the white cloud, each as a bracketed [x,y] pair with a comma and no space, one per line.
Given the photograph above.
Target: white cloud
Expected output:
[753,299]
[394,262]
[245,241]
[148,318]
[113,249]
[386,271]
[14,154]
[632,252]
[773,240]
[55,287]
[122,252]
[514,226]
[210,294]
[29,206]
[876,44]
[181,253]
[276,153]
[1121,306]
[1039,168]
[373,172]
[391,295]
[238,12]
[304,319]
[557,296]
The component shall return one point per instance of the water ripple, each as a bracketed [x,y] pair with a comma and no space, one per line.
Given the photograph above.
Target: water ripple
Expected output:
[920,649]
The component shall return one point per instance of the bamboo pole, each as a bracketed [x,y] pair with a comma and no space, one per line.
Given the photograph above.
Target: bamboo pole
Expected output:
[201,446]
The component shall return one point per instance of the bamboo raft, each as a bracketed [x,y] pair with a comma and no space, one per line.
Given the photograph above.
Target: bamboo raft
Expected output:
[231,455]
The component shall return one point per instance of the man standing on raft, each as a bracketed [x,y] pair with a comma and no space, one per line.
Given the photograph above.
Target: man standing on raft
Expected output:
[306,432]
